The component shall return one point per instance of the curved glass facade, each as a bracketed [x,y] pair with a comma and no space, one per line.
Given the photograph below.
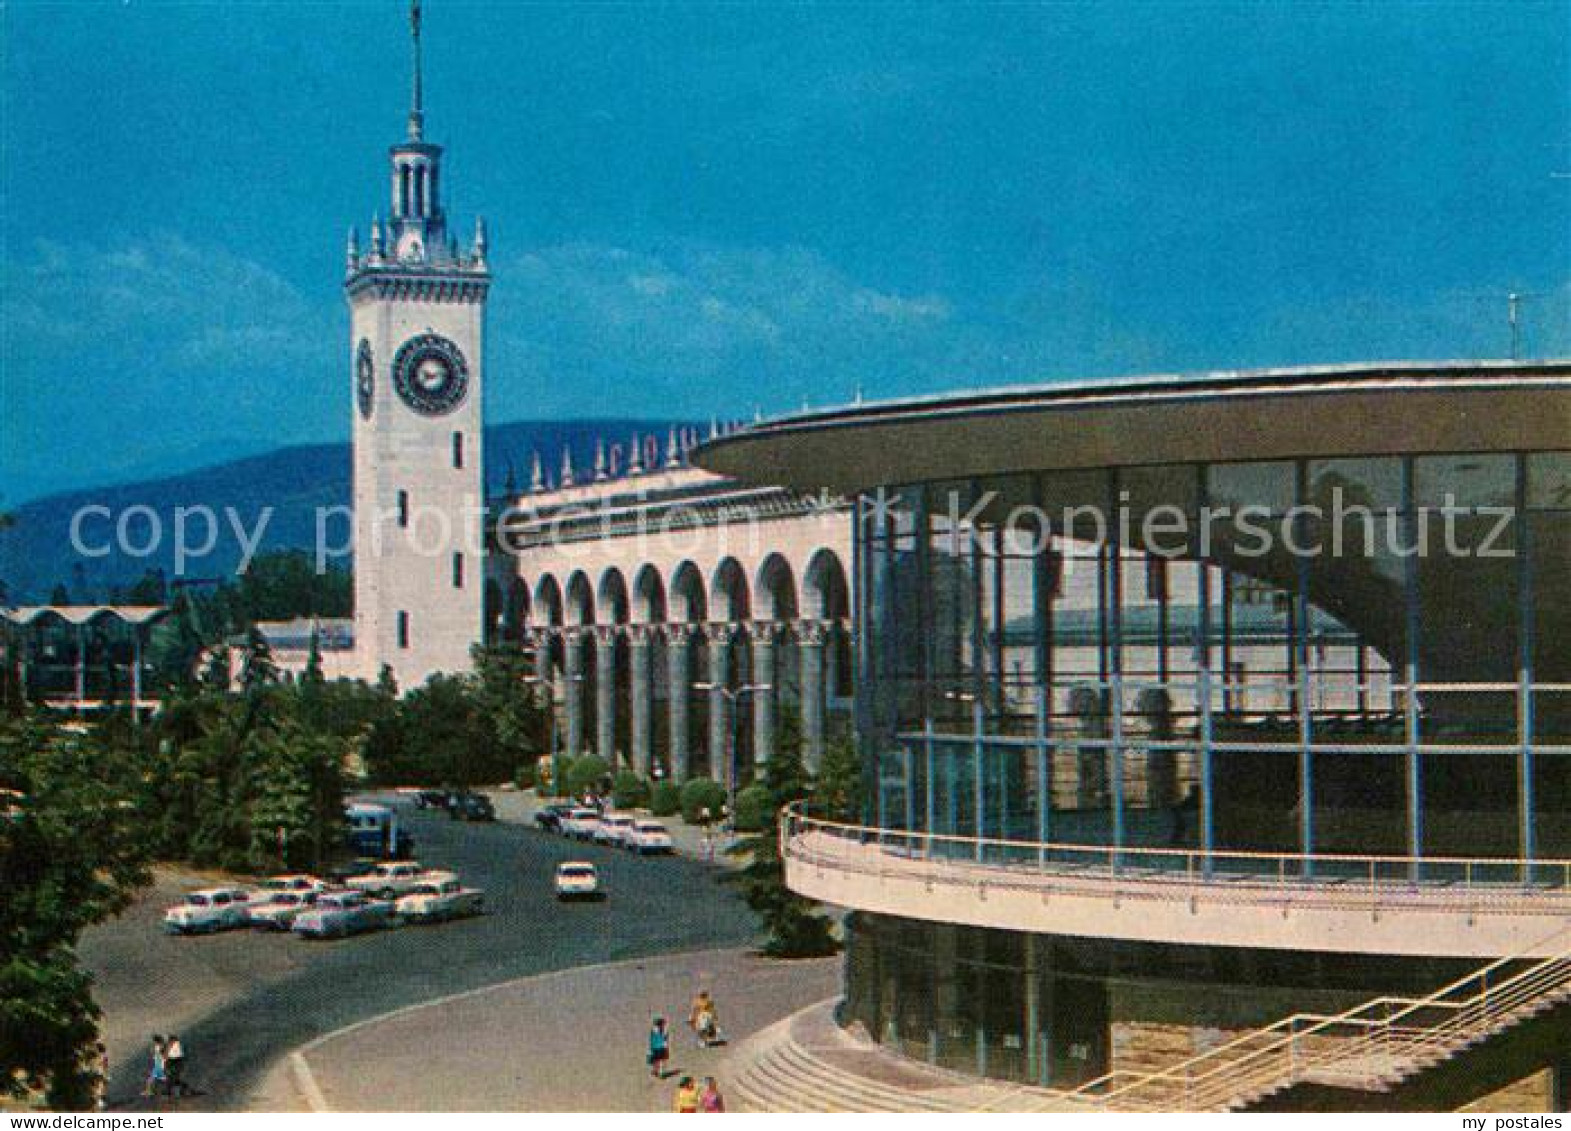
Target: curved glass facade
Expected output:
[1305,658]
[1365,656]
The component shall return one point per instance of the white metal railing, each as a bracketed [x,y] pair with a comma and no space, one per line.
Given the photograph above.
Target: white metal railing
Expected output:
[1375,1044]
[1527,886]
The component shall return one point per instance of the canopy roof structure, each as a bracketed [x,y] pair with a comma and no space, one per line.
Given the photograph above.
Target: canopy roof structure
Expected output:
[1358,409]
[79,615]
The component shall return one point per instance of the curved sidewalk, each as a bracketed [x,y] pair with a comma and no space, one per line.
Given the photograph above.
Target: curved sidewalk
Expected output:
[573,1040]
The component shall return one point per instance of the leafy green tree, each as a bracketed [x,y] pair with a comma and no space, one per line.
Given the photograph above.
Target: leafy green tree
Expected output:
[513,705]
[699,794]
[755,809]
[665,799]
[72,850]
[298,791]
[795,927]
[585,773]
[629,791]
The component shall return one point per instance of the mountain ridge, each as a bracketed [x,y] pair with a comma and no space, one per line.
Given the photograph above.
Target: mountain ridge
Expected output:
[288,485]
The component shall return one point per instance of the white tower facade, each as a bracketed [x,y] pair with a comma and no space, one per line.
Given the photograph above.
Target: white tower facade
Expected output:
[417,354]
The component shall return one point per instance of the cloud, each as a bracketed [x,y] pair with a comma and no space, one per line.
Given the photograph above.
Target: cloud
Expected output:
[700,326]
[201,307]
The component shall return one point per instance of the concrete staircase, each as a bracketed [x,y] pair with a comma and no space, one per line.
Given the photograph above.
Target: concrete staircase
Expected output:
[807,1063]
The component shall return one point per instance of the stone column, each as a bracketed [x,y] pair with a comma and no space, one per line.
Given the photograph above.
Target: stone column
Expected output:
[719,637]
[765,635]
[640,640]
[810,637]
[605,694]
[573,690]
[679,662]
[833,631]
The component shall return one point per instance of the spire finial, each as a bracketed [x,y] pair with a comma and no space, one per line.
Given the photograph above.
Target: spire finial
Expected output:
[567,467]
[416,109]
[537,476]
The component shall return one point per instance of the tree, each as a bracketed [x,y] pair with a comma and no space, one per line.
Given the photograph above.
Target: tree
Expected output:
[838,792]
[72,849]
[257,669]
[794,925]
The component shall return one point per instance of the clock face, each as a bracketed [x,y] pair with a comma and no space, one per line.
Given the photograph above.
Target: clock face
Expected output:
[365,378]
[430,374]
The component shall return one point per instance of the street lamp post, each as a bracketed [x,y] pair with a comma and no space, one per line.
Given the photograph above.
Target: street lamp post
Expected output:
[733,696]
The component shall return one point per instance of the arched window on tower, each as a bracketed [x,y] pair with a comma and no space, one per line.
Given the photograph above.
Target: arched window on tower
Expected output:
[420,190]
[403,190]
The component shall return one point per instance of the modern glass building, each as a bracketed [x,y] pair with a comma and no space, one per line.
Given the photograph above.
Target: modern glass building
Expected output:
[1191,703]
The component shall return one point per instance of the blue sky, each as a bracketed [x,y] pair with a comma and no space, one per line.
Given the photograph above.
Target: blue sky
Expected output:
[699,209]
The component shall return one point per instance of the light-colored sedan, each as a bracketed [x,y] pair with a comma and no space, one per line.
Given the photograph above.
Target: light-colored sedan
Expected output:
[613,829]
[388,881]
[278,910]
[647,838]
[577,879]
[438,897]
[209,910]
[339,913]
[580,823]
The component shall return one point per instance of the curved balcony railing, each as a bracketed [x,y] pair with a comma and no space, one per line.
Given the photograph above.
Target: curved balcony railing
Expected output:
[1342,901]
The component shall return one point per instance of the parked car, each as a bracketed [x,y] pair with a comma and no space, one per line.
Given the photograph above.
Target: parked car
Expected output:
[438,897]
[647,838]
[278,910]
[613,829]
[471,807]
[580,823]
[336,914]
[208,910]
[297,882]
[577,879]
[549,817]
[431,799]
[388,881]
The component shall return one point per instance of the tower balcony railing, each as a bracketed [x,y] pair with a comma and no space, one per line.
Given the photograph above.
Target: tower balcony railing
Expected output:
[1434,905]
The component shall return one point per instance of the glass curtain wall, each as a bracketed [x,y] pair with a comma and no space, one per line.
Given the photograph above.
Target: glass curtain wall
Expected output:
[1342,656]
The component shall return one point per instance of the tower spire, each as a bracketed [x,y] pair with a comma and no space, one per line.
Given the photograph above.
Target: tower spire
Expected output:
[416,109]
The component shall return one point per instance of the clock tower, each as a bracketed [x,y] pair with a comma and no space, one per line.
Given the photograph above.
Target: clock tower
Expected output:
[416,363]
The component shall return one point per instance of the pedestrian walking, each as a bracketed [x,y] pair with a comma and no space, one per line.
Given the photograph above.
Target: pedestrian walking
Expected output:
[659,1048]
[704,1020]
[156,1072]
[710,1099]
[686,1096]
[174,1067]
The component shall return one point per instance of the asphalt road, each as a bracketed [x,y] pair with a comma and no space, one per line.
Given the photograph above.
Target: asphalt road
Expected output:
[242,999]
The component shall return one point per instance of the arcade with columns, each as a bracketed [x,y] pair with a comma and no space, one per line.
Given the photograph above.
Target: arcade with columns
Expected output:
[678,622]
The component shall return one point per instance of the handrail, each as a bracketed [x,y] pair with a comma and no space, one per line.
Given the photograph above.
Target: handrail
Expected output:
[1541,867]
[1492,1004]
[1376,1039]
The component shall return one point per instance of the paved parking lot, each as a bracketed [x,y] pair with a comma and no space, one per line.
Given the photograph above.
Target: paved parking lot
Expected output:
[240,1000]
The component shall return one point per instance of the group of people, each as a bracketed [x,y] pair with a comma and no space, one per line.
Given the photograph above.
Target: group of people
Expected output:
[166,1075]
[690,1098]
[704,1020]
